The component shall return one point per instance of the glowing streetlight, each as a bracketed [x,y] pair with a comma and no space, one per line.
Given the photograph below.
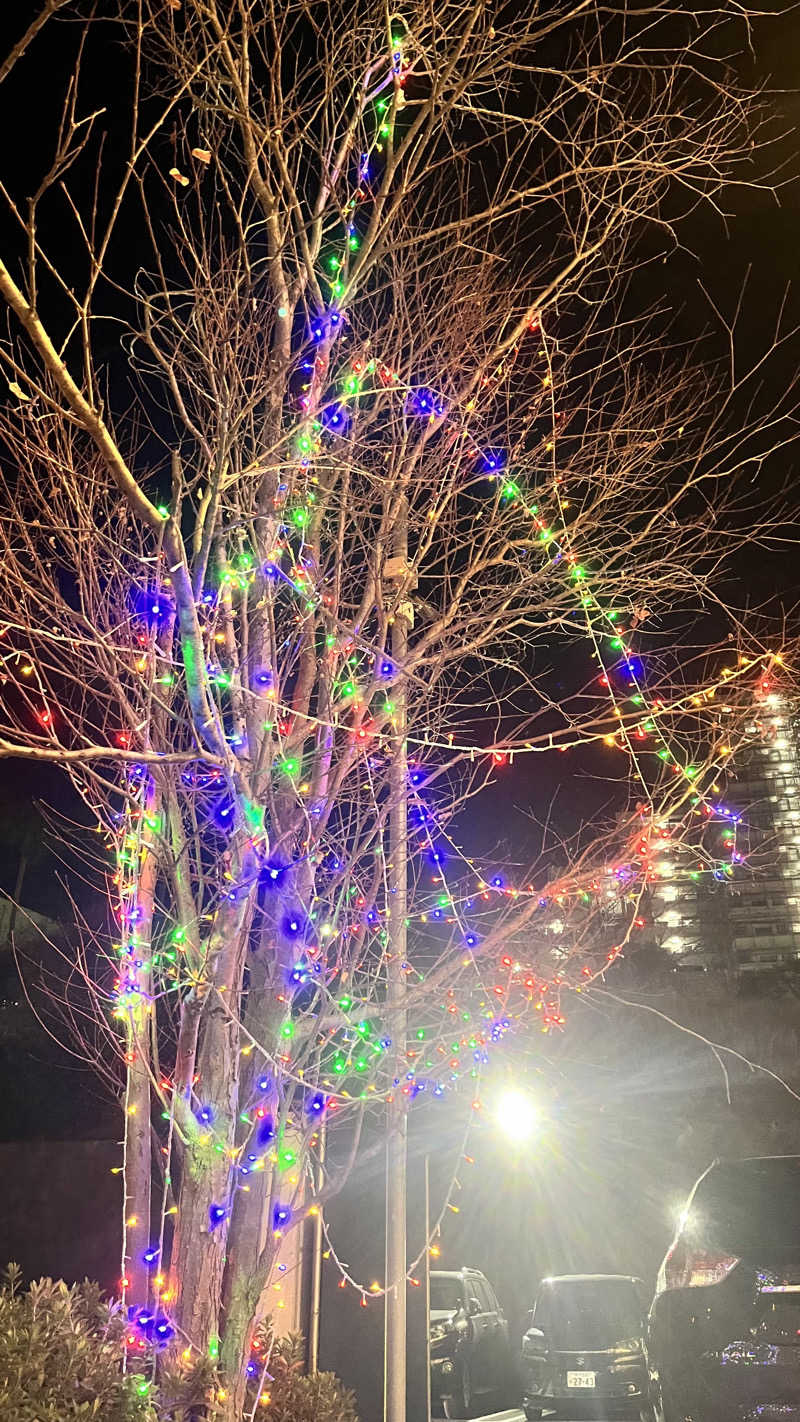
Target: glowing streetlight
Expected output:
[517,1115]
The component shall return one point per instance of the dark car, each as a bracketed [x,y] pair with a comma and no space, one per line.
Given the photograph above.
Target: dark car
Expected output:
[725,1320]
[586,1349]
[470,1348]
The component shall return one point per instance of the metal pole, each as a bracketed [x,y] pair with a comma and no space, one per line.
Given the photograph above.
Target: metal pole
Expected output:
[316,1268]
[394,1381]
[428,1285]
[394,1375]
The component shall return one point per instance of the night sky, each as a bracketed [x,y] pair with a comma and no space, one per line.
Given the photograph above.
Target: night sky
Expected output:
[747,253]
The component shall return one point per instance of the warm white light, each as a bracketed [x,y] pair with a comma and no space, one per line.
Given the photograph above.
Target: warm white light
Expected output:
[685,1217]
[516,1115]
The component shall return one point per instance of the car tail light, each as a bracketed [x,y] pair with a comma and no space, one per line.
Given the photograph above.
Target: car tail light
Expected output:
[687,1268]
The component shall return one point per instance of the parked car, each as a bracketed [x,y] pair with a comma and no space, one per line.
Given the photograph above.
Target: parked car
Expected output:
[470,1348]
[586,1345]
[725,1320]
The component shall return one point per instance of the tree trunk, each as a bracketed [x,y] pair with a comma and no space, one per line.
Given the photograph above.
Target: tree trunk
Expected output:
[250,1251]
[246,1288]
[198,1252]
[208,1179]
[136,973]
[210,1173]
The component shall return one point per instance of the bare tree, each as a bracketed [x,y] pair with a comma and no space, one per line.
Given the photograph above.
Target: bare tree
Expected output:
[334,422]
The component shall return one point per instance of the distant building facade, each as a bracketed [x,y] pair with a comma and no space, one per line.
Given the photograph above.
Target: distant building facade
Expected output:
[745,922]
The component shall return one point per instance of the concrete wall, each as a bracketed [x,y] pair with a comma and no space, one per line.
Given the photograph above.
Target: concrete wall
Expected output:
[61,1209]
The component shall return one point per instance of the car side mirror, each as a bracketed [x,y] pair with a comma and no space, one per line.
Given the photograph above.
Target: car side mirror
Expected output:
[474,1306]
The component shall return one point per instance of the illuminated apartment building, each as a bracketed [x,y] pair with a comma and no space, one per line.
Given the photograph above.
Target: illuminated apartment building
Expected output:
[748,923]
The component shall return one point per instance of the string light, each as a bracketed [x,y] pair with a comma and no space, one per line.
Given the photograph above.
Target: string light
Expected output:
[352,1042]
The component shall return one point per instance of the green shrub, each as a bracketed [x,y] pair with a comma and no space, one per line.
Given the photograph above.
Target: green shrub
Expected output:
[60,1351]
[293,1395]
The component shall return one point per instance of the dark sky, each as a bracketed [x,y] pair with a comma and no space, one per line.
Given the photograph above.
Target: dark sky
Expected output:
[754,247]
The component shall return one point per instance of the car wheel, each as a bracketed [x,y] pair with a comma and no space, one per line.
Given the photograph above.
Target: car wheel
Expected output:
[459,1403]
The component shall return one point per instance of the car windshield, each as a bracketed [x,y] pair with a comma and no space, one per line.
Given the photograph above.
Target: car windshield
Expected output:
[445,1293]
[744,1204]
[588,1314]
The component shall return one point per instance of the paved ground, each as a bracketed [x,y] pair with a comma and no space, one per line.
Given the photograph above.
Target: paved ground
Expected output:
[515,1416]
[512,1415]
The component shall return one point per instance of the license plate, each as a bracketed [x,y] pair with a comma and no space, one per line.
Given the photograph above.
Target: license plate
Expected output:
[581,1379]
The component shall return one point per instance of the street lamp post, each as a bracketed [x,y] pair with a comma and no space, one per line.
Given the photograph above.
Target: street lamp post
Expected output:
[395,1325]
